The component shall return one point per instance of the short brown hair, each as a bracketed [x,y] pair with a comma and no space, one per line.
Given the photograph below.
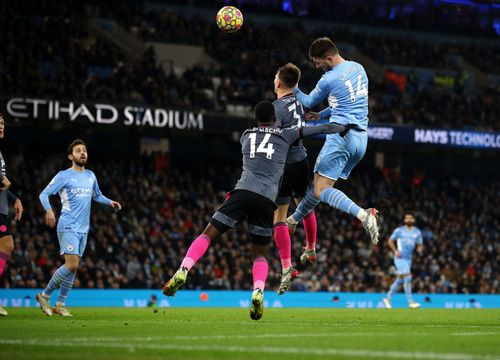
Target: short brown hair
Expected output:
[75,143]
[322,47]
[289,75]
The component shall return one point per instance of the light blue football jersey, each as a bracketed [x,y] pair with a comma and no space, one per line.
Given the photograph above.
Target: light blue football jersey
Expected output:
[346,88]
[406,240]
[76,190]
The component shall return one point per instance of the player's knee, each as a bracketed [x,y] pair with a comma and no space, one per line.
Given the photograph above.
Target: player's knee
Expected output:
[72,265]
[318,190]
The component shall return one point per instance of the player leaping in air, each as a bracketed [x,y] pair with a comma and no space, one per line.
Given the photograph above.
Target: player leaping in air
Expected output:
[289,113]
[264,149]
[77,187]
[345,85]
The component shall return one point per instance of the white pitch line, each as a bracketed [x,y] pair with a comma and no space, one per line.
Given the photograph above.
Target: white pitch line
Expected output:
[247,336]
[263,349]
[474,333]
[336,324]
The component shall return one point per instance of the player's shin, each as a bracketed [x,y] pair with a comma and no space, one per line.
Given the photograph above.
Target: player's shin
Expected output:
[197,249]
[310,228]
[407,287]
[394,287]
[283,242]
[55,281]
[308,203]
[337,199]
[259,273]
[4,257]
[65,288]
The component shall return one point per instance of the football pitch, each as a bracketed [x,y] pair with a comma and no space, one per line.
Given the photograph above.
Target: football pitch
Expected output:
[182,333]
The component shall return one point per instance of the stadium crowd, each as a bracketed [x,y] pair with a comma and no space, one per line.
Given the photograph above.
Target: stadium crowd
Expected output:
[63,57]
[166,206]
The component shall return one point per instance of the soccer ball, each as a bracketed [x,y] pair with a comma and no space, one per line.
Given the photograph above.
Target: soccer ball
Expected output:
[229,19]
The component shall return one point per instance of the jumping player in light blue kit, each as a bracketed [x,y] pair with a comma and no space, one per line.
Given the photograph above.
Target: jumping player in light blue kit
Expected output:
[77,187]
[407,238]
[345,85]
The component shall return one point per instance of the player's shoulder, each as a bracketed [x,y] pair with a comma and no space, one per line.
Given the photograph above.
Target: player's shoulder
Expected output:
[357,67]
[284,100]
[249,130]
[417,230]
[89,172]
[63,173]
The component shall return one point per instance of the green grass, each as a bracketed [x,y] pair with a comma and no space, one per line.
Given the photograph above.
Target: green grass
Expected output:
[105,333]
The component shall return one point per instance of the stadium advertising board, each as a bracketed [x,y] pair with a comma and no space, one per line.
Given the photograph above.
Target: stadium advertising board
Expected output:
[222,298]
[429,136]
[456,138]
[160,118]
[100,113]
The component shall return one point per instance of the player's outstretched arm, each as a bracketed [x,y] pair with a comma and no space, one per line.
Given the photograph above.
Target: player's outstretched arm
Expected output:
[115,205]
[327,129]
[316,96]
[100,198]
[323,114]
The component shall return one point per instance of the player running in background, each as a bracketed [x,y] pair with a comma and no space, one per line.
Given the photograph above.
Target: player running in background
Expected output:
[6,198]
[290,114]
[345,85]
[77,187]
[407,238]
[264,149]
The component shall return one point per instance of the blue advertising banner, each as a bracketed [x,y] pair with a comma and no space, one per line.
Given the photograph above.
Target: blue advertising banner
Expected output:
[444,137]
[221,298]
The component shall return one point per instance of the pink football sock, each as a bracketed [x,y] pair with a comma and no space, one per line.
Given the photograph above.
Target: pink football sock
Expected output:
[310,228]
[4,257]
[196,251]
[284,244]
[259,272]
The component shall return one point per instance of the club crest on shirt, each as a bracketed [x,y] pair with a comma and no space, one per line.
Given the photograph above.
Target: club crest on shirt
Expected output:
[69,247]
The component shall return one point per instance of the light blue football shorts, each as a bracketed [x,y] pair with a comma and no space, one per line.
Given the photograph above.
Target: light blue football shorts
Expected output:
[340,155]
[72,242]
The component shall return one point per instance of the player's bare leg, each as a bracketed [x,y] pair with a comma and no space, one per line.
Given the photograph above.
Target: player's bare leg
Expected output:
[197,249]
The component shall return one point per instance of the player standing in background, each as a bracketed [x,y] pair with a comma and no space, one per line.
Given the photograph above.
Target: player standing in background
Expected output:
[290,114]
[345,85]
[407,237]
[77,187]
[6,198]
[264,149]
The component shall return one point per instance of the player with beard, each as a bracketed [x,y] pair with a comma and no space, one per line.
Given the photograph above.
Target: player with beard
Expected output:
[407,237]
[345,85]
[77,187]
